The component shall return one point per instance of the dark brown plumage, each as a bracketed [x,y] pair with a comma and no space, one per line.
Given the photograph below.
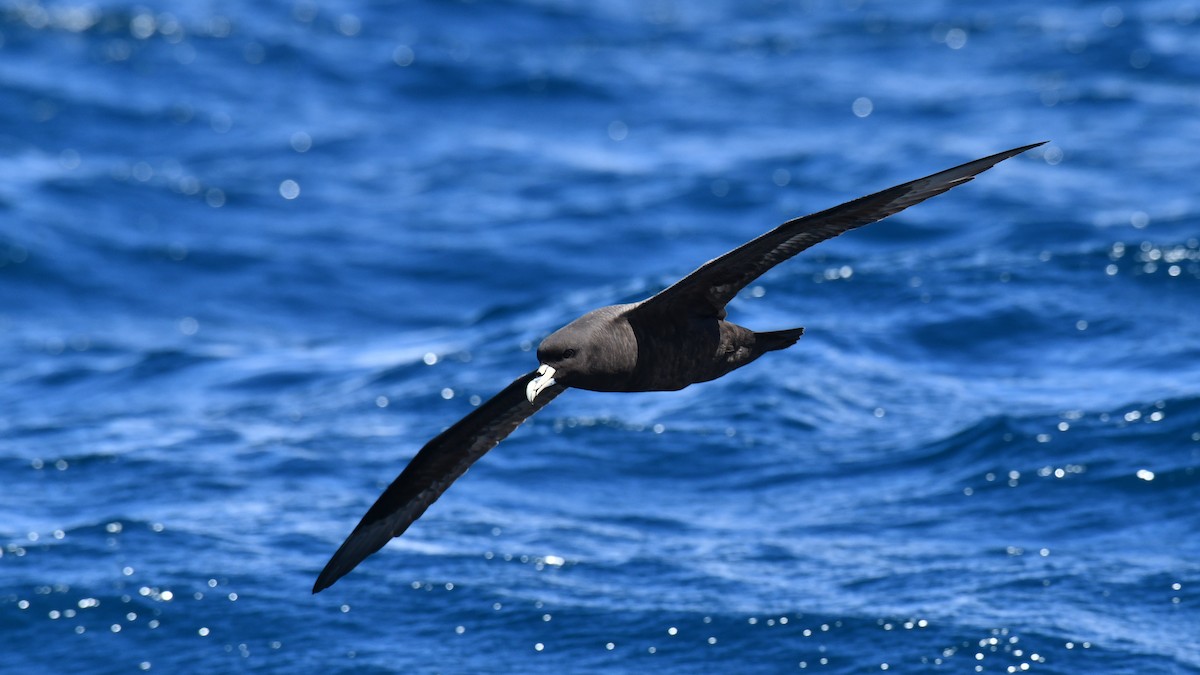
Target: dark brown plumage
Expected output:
[674,339]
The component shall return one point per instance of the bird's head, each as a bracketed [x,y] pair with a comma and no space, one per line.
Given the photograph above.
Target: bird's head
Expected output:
[597,351]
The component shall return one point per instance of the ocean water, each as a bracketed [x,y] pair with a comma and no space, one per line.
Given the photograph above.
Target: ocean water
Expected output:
[254,255]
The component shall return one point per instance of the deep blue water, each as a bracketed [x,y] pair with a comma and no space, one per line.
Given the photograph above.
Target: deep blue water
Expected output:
[254,255]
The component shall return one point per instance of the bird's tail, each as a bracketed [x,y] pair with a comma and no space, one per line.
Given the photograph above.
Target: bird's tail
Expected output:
[777,339]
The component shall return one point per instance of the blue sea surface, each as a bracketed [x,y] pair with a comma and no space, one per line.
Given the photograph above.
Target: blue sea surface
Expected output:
[254,255]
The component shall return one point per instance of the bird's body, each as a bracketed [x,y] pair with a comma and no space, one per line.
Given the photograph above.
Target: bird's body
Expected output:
[669,341]
[644,349]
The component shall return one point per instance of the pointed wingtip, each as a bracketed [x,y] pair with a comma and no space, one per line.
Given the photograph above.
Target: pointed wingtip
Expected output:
[1016,151]
[335,569]
[944,180]
[345,559]
[992,160]
[322,583]
[1001,156]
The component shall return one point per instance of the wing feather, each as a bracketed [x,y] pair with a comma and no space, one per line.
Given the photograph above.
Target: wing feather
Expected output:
[431,471]
[707,290]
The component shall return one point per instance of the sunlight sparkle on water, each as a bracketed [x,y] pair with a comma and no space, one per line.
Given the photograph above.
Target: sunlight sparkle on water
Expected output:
[289,189]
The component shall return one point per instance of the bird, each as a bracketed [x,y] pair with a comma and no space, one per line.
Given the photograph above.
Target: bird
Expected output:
[673,339]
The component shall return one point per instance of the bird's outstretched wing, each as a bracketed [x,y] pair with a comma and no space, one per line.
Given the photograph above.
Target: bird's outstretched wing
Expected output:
[707,290]
[432,470]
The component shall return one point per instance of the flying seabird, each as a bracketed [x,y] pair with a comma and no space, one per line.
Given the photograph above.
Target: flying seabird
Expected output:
[664,343]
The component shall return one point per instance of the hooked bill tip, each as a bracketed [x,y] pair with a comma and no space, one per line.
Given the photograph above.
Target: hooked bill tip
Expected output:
[544,379]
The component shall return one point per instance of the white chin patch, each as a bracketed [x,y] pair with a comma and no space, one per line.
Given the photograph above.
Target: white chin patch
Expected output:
[544,379]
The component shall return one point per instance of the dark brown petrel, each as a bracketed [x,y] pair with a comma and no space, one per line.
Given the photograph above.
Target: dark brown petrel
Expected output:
[664,343]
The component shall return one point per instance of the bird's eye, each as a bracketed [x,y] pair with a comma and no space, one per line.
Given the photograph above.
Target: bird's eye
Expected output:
[568,353]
